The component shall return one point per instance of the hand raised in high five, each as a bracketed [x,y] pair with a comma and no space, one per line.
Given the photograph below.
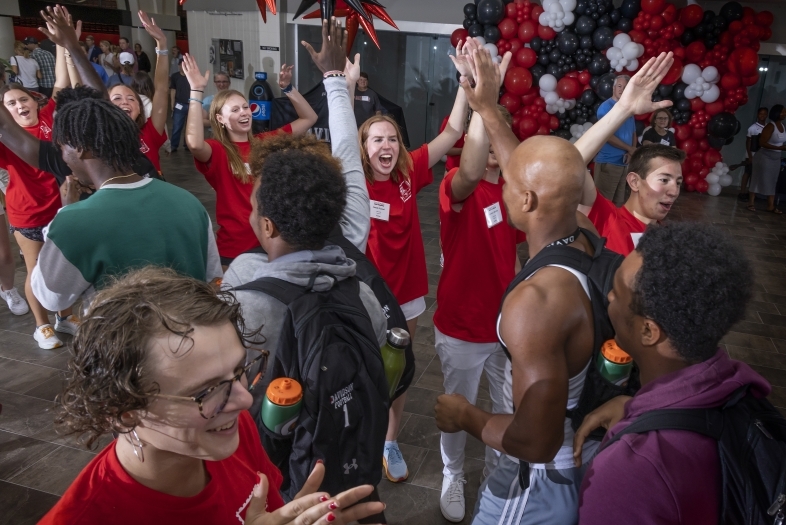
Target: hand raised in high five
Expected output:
[58,26]
[463,56]
[637,97]
[488,75]
[285,76]
[196,79]
[352,70]
[153,30]
[332,56]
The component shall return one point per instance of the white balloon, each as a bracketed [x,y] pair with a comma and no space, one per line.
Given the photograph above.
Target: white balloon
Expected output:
[551,98]
[555,8]
[568,5]
[714,189]
[690,92]
[691,73]
[712,178]
[570,103]
[481,41]
[641,49]
[576,129]
[548,82]
[711,95]
[705,86]
[633,65]
[718,164]
[574,139]
[492,50]
[547,3]
[620,40]
[614,53]
[710,74]
[551,109]
[619,67]
[630,50]
[587,126]
[725,180]
[497,59]
[569,18]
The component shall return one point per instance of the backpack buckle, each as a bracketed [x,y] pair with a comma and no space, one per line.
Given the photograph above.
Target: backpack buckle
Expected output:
[777,508]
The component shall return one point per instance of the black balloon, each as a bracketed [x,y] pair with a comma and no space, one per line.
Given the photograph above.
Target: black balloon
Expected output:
[585,25]
[537,71]
[470,11]
[605,86]
[568,42]
[679,91]
[602,38]
[688,37]
[587,97]
[630,8]
[717,143]
[731,11]
[737,128]
[604,21]
[492,34]
[723,125]
[615,16]
[683,104]
[555,55]
[543,59]
[665,90]
[599,64]
[490,12]
[475,30]
[625,25]
[467,23]
[554,69]
[536,44]
[563,134]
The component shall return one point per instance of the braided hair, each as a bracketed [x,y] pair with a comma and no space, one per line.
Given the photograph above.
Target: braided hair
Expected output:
[100,127]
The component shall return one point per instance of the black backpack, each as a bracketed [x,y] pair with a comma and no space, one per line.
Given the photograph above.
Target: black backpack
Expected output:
[368,273]
[751,436]
[328,344]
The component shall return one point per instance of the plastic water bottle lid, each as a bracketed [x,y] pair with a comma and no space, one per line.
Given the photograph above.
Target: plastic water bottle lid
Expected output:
[284,391]
[398,337]
[260,75]
[614,353]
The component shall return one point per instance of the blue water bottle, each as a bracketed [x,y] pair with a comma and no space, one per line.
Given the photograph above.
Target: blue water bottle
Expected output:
[260,98]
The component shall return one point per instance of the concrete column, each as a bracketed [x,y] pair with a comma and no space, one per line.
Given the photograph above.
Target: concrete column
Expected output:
[6,37]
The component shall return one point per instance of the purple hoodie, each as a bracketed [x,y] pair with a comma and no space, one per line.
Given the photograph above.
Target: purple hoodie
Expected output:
[665,476]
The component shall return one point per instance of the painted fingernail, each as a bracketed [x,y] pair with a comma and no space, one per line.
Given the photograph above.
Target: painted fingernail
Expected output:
[320,462]
[331,517]
[333,506]
[323,499]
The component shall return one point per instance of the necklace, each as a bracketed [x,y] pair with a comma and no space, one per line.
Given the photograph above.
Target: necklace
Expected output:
[113,178]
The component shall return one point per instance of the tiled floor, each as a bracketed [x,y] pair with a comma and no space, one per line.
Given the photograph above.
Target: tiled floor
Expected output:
[36,465]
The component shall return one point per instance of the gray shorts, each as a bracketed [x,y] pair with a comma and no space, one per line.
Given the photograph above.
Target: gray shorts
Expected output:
[552,497]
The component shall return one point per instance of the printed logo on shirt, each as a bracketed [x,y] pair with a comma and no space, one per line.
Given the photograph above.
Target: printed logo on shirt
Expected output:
[45,130]
[143,147]
[406,190]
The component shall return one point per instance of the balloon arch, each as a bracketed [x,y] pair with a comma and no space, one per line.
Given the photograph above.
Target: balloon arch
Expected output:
[566,54]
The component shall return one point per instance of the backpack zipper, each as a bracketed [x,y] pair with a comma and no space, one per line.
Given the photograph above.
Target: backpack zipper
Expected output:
[766,433]
[776,509]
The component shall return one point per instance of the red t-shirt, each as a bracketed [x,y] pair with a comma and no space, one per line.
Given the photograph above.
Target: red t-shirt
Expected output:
[105,493]
[233,197]
[32,196]
[620,227]
[480,261]
[453,160]
[150,143]
[395,246]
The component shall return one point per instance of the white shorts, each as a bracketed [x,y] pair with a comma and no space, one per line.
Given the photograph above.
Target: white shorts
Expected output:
[414,308]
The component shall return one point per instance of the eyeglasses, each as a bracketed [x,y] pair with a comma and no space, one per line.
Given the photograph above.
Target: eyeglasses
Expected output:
[662,118]
[213,399]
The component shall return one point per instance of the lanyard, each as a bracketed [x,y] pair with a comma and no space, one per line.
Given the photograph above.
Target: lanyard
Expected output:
[566,240]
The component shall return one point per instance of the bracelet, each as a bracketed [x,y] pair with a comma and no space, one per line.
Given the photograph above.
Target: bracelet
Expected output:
[194,100]
[198,90]
[162,51]
[333,73]
[287,89]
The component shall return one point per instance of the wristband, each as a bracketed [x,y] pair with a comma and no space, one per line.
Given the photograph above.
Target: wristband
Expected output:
[194,100]
[287,89]
[162,51]
[334,73]
[198,90]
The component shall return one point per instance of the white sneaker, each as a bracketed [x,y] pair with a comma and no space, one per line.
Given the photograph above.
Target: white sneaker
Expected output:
[16,302]
[67,325]
[451,502]
[46,337]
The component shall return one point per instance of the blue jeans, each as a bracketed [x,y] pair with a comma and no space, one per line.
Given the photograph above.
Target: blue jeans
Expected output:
[178,123]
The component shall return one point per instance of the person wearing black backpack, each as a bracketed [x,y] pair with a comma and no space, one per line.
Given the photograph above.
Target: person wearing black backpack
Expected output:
[673,299]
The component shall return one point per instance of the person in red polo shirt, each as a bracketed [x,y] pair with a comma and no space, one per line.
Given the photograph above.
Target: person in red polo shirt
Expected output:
[479,248]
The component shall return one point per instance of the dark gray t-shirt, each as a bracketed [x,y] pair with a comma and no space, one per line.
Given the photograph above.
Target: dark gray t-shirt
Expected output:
[667,140]
[366,105]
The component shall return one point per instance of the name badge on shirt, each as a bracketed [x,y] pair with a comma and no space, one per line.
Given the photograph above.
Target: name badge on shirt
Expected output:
[178,106]
[665,142]
[493,215]
[635,238]
[380,211]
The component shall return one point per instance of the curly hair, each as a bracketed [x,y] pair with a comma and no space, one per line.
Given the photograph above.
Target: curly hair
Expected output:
[404,162]
[109,374]
[100,127]
[69,95]
[694,282]
[303,195]
[262,149]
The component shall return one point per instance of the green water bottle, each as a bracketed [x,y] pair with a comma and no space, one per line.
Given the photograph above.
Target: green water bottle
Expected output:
[393,357]
[613,363]
[281,406]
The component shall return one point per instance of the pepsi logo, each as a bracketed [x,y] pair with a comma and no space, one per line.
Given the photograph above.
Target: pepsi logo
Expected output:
[256,110]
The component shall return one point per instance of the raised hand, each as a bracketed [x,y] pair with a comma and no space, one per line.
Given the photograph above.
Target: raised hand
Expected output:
[483,95]
[332,56]
[153,30]
[195,77]
[463,56]
[637,97]
[285,76]
[352,70]
[58,26]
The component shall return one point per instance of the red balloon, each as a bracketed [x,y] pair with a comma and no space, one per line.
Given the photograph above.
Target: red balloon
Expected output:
[730,81]
[511,10]
[750,80]
[544,118]
[711,157]
[766,33]
[674,73]
[543,129]
[653,7]
[691,15]
[515,44]
[554,123]
[511,102]
[679,52]
[691,179]
[714,108]
[528,126]
[546,33]
[508,28]
[695,51]
[765,19]
[518,80]
[459,35]
[529,97]
[696,104]
[657,22]
[526,57]
[689,146]
[699,133]
[670,13]
[694,164]
[702,186]
[568,88]
[527,31]
[704,145]
[584,78]
[637,36]
[682,132]
[536,11]
[743,61]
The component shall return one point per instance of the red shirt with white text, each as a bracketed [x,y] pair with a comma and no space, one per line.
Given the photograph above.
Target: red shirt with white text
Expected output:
[620,227]
[150,142]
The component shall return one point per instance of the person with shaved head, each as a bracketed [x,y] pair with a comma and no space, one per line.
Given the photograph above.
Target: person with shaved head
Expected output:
[546,320]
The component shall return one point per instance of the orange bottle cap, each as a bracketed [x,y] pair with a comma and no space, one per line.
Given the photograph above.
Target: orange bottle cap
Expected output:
[284,391]
[614,353]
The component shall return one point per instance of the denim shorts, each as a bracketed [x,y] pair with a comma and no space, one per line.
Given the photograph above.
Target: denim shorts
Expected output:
[34,234]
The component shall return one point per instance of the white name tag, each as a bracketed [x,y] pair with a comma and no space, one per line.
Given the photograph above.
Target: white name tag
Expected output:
[635,237]
[380,211]
[178,106]
[665,142]
[493,215]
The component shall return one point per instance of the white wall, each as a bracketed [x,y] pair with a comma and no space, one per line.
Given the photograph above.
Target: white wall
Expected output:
[248,27]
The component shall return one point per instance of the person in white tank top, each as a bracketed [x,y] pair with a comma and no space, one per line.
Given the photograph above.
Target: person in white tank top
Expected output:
[546,322]
[767,161]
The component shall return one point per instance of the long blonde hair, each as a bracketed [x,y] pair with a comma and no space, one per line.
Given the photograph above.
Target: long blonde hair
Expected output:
[404,162]
[220,133]
[20,49]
